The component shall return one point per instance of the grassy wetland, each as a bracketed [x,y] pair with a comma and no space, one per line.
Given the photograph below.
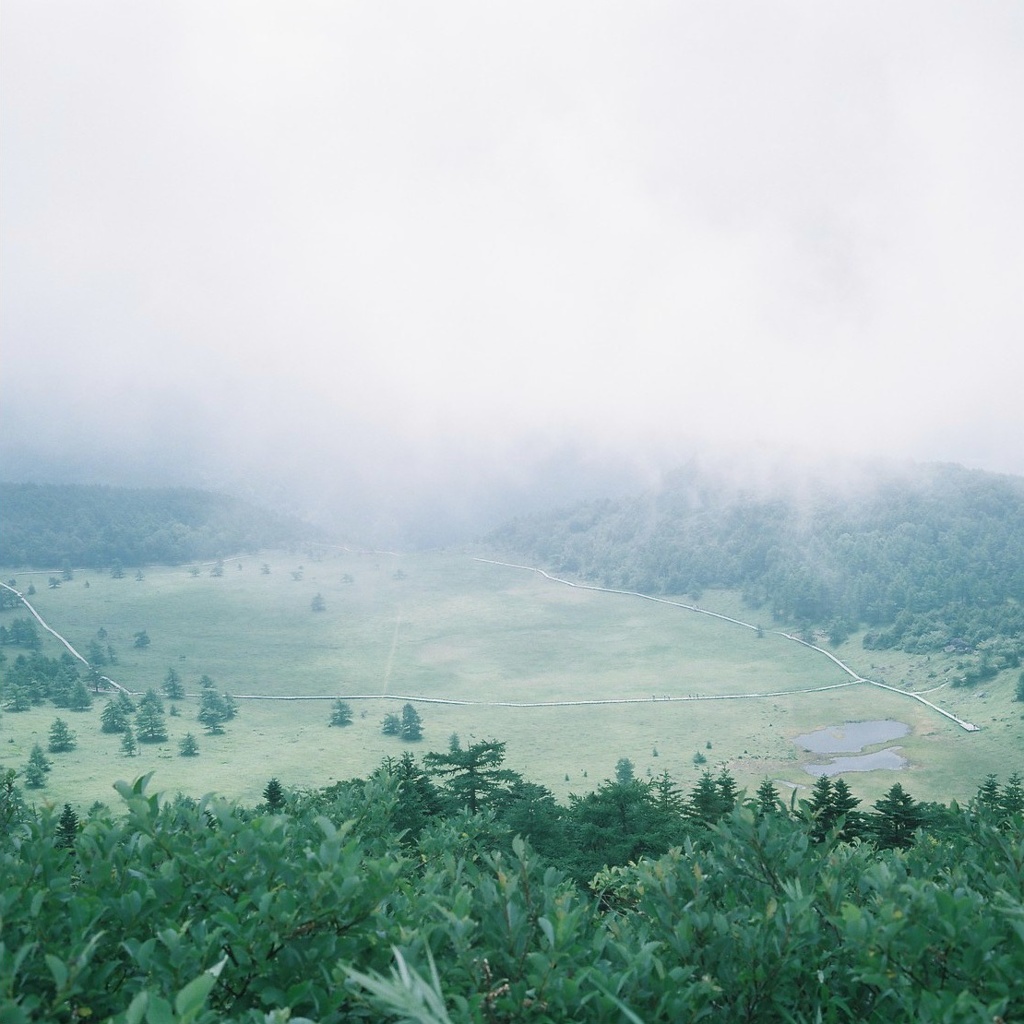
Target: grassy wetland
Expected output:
[448,627]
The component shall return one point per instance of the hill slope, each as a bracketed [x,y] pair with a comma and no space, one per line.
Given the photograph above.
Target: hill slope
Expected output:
[51,525]
[926,557]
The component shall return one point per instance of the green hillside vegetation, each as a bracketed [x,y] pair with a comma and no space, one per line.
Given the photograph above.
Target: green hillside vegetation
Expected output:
[68,526]
[388,898]
[923,560]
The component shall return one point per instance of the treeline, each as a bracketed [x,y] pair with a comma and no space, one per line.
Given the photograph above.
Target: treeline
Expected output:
[927,559]
[56,526]
[392,898]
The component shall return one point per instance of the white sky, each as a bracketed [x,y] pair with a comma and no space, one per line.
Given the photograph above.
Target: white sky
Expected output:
[317,228]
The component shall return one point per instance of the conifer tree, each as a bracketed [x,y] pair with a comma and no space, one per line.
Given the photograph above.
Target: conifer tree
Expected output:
[150,724]
[62,738]
[1011,801]
[38,759]
[128,745]
[35,777]
[113,717]
[173,687]
[412,724]
[341,713]
[79,698]
[67,828]
[768,800]
[273,794]
[188,747]
[843,805]
[897,817]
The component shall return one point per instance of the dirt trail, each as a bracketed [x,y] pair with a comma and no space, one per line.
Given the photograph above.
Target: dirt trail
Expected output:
[855,677]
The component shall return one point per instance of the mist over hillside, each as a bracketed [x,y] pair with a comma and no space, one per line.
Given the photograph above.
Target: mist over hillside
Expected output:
[928,557]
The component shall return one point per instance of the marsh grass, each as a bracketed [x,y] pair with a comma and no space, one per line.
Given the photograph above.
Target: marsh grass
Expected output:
[448,626]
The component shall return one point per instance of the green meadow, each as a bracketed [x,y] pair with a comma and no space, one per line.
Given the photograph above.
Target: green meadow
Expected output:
[448,627]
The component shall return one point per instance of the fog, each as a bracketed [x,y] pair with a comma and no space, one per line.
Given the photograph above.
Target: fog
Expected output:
[413,267]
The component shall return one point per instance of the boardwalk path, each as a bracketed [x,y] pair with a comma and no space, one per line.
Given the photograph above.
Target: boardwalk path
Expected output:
[855,678]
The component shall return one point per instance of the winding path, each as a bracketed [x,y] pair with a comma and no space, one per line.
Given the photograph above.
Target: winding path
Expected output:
[856,677]
[854,680]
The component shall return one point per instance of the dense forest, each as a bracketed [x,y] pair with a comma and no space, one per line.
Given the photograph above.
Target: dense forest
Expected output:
[453,890]
[926,558]
[52,526]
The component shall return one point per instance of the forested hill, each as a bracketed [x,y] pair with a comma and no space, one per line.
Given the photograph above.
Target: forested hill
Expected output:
[925,557]
[52,525]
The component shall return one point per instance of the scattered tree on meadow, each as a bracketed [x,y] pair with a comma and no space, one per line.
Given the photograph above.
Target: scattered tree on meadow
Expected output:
[38,758]
[113,717]
[188,747]
[79,699]
[36,768]
[341,713]
[273,794]
[411,729]
[35,777]
[150,724]
[392,725]
[129,746]
[117,569]
[173,687]
[62,739]
[214,710]
[141,639]
[318,604]
[624,771]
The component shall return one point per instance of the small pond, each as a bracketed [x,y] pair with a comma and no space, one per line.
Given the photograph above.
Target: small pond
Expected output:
[851,737]
[889,759]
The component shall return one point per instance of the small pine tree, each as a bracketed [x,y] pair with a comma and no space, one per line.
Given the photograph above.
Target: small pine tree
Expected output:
[274,795]
[214,711]
[62,738]
[768,800]
[318,604]
[79,699]
[128,745]
[392,725]
[173,687]
[412,725]
[38,759]
[150,723]
[188,747]
[67,828]
[726,786]
[341,713]
[35,777]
